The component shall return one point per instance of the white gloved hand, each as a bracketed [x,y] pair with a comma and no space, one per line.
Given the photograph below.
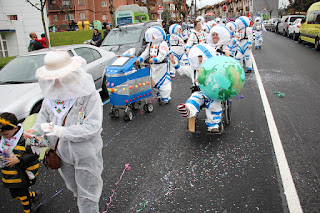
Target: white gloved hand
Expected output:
[52,130]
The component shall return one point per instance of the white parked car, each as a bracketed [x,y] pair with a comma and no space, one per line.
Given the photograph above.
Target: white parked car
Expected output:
[294,29]
[19,89]
[285,22]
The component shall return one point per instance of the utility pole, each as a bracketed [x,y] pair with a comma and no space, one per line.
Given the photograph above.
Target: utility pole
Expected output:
[195,8]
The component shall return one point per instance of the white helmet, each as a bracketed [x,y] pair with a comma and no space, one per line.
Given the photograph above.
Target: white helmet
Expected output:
[155,34]
[232,26]
[242,22]
[204,50]
[258,20]
[174,28]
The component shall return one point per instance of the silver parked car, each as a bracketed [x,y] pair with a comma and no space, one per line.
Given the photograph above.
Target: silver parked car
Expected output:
[19,89]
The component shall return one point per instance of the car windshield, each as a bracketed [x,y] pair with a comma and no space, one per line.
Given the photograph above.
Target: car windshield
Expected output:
[21,70]
[124,36]
[292,19]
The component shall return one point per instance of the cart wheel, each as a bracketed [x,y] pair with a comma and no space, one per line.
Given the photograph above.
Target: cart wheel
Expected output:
[135,105]
[128,115]
[227,112]
[221,128]
[148,107]
[114,113]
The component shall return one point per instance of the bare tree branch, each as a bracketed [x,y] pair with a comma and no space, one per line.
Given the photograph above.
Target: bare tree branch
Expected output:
[33,5]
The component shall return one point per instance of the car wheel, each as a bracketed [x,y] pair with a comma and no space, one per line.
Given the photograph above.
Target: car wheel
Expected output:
[299,39]
[104,91]
[294,36]
[316,44]
[36,108]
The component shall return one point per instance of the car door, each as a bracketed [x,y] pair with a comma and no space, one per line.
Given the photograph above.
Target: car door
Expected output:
[95,66]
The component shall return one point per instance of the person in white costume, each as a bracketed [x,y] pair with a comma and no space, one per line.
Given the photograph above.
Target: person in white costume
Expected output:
[218,21]
[206,29]
[200,18]
[156,51]
[199,54]
[219,38]
[245,41]
[176,44]
[72,99]
[197,36]
[234,43]
[258,29]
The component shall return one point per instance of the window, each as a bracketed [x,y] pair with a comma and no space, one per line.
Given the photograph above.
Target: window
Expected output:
[314,17]
[81,2]
[103,4]
[82,16]
[172,7]
[104,17]
[71,16]
[13,17]
[66,3]
[95,53]
[3,46]
[85,53]
[55,17]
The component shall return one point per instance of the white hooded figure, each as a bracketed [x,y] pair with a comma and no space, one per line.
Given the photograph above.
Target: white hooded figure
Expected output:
[176,44]
[218,21]
[200,18]
[199,54]
[245,41]
[219,38]
[234,43]
[157,51]
[258,28]
[72,114]
[206,29]
[197,36]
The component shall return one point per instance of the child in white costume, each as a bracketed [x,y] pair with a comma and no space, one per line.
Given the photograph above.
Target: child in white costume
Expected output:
[245,41]
[198,54]
[258,28]
[234,43]
[176,44]
[70,92]
[219,38]
[197,36]
[157,51]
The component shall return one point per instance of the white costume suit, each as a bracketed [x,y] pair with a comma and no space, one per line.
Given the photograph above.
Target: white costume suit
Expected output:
[258,29]
[197,99]
[80,142]
[195,38]
[158,50]
[177,47]
[245,40]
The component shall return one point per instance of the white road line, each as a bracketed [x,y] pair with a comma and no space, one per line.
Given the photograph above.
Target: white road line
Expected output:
[286,177]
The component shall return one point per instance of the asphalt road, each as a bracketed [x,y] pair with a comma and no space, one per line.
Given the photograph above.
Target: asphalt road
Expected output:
[175,171]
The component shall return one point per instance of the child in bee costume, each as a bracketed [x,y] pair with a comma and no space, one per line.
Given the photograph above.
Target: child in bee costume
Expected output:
[19,165]
[258,29]
[245,41]
[156,51]
[176,44]
[199,54]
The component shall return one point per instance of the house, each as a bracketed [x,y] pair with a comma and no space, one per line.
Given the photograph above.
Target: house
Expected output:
[17,19]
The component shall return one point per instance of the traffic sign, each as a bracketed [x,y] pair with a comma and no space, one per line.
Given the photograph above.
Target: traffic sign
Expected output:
[160,9]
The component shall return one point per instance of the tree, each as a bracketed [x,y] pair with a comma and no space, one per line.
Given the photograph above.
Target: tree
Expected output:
[179,5]
[65,8]
[166,14]
[111,10]
[301,5]
[40,5]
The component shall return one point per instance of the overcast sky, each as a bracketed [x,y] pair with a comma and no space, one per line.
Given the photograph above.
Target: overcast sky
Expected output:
[202,3]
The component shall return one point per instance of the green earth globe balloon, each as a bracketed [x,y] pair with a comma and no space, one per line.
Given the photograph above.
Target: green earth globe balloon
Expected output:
[221,78]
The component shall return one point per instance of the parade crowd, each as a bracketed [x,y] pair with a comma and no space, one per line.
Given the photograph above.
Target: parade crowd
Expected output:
[70,118]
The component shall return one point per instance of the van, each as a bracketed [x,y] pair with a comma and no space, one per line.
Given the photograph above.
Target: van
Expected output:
[285,21]
[310,27]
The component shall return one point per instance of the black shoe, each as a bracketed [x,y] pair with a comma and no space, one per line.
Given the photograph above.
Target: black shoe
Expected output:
[36,200]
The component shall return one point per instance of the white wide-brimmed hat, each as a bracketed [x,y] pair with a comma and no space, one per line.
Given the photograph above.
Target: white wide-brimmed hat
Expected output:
[64,77]
[58,64]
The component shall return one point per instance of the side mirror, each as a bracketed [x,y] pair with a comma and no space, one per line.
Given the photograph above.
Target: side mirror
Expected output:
[303,20]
